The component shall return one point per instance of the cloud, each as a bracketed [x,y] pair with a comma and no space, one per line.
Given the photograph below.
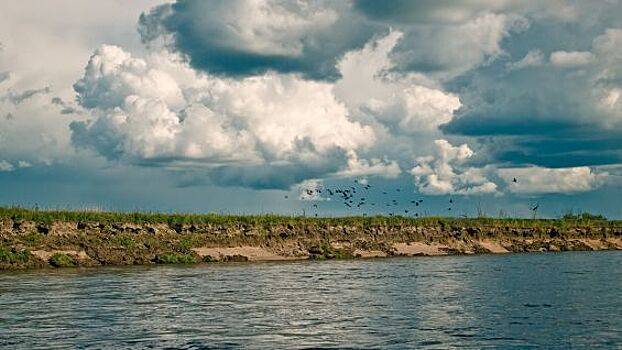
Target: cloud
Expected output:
[399,102]
[23,164]
[29,129]
[373,167]
[447,51]
[457,12]
[4,76]
[266,131]
[548,115]
[19,97]
[242,38]
[66,108]
[533,58]
[538,180]
[566,59]
[445,172]
[161,111]
[6,166]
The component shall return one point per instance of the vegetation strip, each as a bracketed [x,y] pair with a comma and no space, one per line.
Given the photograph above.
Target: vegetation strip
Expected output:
[39,238]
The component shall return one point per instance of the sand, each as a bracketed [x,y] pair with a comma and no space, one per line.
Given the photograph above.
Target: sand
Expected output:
[419,248]
[252,253]
[493,247]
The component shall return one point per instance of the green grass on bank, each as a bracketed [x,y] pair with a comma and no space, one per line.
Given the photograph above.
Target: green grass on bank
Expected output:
[48,216]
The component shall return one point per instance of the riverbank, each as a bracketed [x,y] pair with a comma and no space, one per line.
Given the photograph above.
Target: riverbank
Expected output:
[44,239]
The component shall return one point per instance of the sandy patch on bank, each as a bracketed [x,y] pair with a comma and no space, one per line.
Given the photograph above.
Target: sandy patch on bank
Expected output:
[252,253]
[493,247]
[419,248]
[595,244]
[369,253]
[615,241]
[45,255]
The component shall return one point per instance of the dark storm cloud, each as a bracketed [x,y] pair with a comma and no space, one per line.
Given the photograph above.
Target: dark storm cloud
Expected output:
[549,113]
[270,176]
[237,39]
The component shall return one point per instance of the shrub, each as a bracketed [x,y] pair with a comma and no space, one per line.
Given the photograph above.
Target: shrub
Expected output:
[175,258]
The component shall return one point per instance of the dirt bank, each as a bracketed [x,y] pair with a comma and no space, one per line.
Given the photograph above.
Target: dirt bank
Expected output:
[64,243]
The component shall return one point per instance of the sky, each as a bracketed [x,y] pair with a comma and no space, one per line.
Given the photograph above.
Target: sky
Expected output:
[241,106]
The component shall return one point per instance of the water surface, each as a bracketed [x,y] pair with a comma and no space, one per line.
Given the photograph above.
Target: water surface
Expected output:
[565,300]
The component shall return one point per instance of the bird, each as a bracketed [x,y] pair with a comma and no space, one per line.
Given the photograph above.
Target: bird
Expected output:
[536,207]
[514,180]
[451,200]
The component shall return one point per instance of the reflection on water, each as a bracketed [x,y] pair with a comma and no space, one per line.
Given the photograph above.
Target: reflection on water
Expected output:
[523,301]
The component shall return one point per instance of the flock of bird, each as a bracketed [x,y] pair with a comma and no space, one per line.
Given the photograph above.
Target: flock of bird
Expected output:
[356,196]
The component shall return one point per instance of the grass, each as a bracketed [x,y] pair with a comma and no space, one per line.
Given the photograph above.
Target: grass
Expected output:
[61,260]
[49,216]
[325,251]
[11,256]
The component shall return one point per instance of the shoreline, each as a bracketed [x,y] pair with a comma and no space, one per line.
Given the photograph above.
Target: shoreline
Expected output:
[40,239]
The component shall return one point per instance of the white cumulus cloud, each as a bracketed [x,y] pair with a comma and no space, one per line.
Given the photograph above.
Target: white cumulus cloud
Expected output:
[445,172]
[159,110]
[538,180]
[567,59]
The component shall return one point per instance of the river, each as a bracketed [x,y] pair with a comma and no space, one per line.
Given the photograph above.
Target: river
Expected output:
[539,300]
